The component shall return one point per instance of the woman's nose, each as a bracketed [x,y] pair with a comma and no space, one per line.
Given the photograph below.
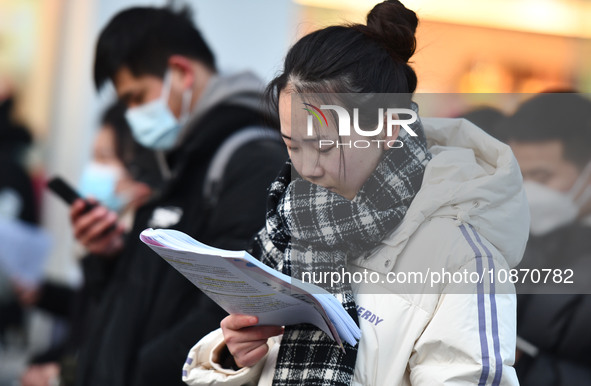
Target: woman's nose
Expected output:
[310,167]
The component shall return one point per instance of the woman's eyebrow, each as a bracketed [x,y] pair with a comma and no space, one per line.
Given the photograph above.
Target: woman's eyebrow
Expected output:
[286,136]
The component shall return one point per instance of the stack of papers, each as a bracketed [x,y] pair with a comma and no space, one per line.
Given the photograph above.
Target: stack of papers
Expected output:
[241,284]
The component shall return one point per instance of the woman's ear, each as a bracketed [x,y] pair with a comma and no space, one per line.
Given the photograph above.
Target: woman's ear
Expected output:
[391,134]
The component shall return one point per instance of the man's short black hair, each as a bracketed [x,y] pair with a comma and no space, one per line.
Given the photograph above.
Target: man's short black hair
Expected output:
[143,39]
[565,117]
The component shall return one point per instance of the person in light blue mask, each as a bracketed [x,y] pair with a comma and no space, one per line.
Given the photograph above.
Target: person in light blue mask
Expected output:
[153,123]
[111,177]
[179,106]
[99,181]
[550,135]
[121,175]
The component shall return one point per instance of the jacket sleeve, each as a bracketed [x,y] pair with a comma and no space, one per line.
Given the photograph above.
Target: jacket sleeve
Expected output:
[56,298]
[470,340]
[201,367]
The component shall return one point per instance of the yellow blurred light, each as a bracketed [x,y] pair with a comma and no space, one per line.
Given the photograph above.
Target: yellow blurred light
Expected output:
[554,17]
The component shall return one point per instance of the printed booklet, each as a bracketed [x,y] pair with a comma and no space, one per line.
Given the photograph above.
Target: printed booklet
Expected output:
[241,284]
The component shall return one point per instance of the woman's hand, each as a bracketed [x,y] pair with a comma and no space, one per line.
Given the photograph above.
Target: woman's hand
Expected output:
[246,342]
[98,229]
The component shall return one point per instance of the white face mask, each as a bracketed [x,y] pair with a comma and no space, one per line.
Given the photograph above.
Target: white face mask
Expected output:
[551,209]
[153,124]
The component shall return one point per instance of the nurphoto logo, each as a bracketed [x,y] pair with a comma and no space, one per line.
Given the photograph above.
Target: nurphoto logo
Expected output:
[393,118]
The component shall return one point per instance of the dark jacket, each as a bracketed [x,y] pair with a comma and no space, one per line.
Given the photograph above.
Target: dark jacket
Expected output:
[14,140]
[150,315]
[557,324]
[15,183]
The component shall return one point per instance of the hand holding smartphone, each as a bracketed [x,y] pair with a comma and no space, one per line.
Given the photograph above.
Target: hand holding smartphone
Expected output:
[97,230]
[65,191]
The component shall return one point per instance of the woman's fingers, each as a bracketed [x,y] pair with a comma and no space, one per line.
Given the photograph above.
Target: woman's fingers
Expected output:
[236,322]
[98,229]
[251,358]
[86,224]
[251,334]
[241,328]
[246,342]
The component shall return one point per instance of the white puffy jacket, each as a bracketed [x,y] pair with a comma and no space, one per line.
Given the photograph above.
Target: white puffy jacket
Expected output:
[469,217]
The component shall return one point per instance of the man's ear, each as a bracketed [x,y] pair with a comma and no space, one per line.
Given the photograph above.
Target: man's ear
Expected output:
[183,68]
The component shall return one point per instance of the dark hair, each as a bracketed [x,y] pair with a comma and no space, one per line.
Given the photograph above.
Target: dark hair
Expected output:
[355,58]
[140,162]
[143,39]
[114,117]
[350,59]
[565,117]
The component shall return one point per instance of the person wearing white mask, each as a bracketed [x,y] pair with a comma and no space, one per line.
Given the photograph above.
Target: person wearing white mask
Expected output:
[550,135]
[179,106]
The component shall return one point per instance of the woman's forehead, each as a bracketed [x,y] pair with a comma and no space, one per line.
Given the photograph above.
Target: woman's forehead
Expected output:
[303,118]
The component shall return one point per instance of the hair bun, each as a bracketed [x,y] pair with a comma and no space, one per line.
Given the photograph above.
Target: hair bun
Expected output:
[394,26]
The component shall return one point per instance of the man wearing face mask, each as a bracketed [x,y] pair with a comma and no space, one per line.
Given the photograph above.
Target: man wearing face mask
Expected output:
[550,136]
[181,107]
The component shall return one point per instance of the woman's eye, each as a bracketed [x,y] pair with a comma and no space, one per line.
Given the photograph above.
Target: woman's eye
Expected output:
[293,148]
[325,149]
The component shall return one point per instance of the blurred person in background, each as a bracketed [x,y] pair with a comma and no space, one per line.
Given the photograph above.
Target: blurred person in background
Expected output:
[178,105]
[487,118]
[121,175]
[17,198]
[550,136]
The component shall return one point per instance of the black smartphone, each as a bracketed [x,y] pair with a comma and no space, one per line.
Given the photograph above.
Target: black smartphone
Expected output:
[65,191]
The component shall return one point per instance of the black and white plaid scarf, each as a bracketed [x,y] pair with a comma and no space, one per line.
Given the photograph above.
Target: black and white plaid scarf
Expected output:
[311,229]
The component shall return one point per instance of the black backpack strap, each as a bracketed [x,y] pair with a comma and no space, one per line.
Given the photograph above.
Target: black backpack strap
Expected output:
[220,160]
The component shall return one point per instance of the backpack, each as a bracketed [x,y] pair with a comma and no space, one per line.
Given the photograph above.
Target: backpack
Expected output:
[217,166]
